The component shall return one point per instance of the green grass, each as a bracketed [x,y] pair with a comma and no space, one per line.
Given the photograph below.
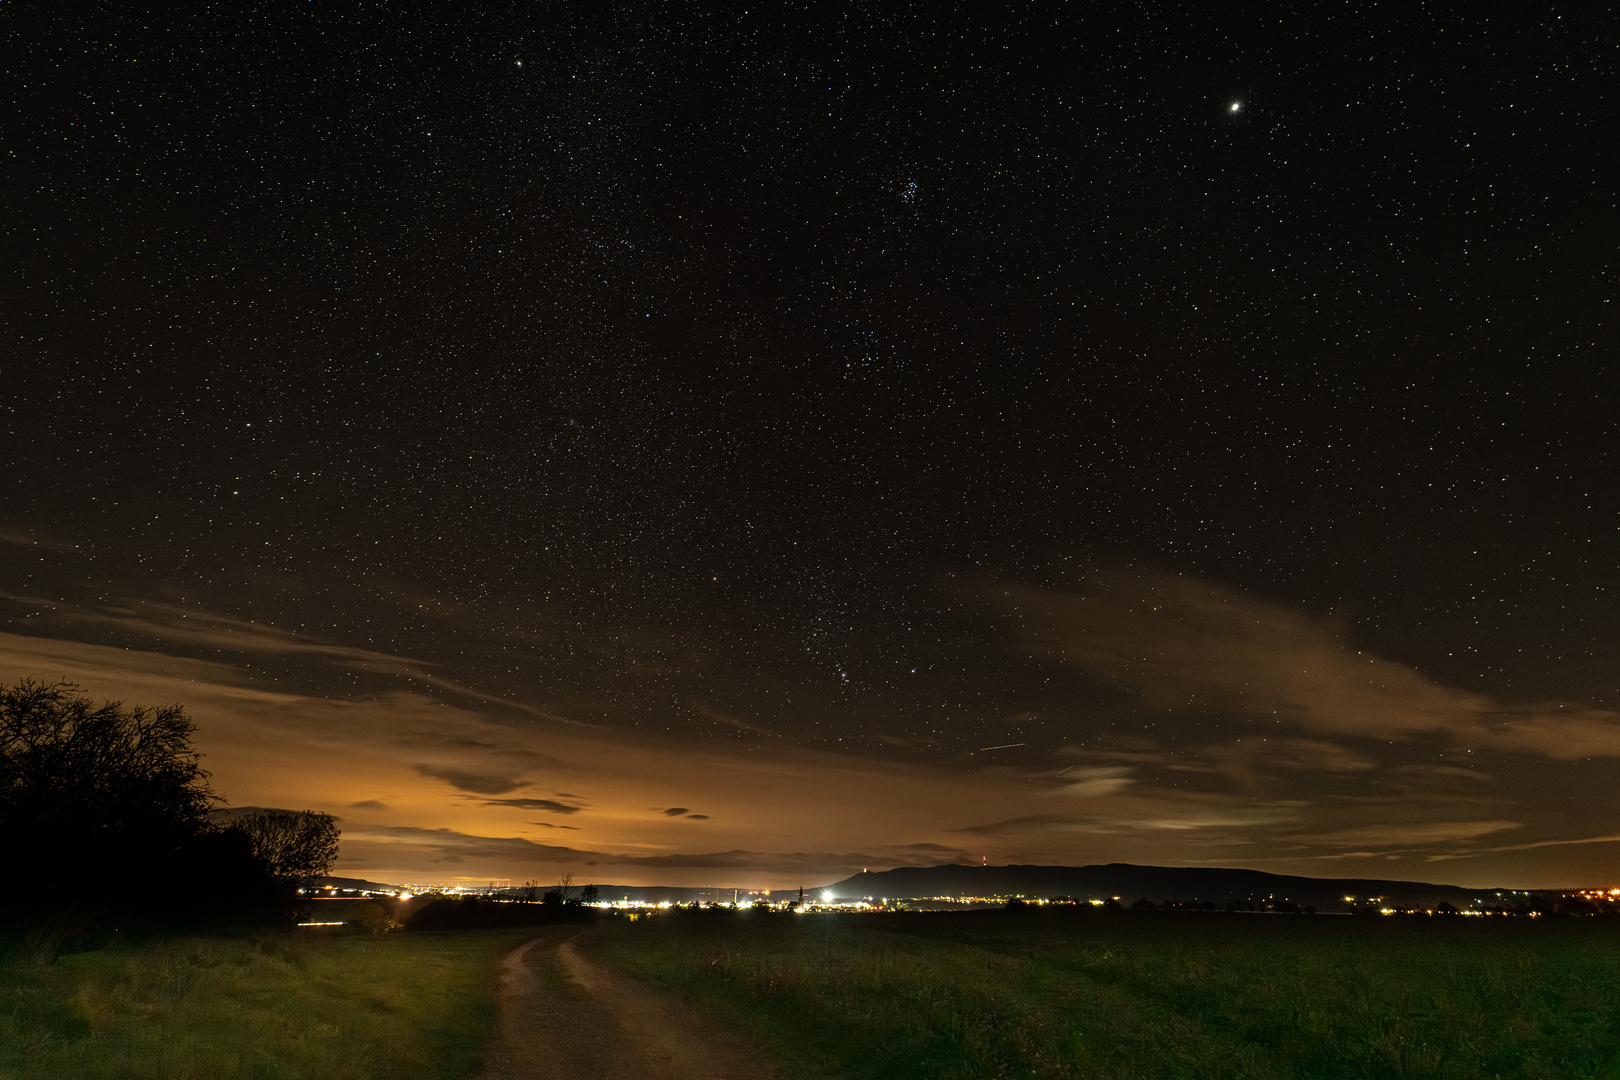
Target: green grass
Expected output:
[272,1007]
[1149,995]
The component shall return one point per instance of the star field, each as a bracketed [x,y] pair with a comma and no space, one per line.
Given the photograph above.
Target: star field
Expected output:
[756,379]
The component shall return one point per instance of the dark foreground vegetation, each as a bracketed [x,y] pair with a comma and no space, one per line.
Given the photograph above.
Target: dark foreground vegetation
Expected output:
[1151,995]
[293,1006]
[109,824]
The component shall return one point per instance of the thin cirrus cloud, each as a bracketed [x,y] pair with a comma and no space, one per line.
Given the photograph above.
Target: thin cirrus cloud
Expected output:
[549,805]
[1214,816]
[1409,834]
[197,629]
[1181,643]
[1534,845]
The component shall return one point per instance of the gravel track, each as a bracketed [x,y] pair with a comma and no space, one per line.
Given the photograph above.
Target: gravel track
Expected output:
[564,1017]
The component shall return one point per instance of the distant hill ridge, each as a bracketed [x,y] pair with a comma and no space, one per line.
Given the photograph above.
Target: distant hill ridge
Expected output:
[1130,882]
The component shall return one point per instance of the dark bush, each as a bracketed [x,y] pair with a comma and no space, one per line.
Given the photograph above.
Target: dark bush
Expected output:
[106,814]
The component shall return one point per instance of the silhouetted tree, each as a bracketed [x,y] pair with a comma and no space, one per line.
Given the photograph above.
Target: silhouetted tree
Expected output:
[94,794]
[295,846]
[291,850]
[105,808]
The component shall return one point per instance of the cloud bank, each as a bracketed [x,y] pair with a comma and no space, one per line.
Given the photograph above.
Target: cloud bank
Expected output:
[1181,644]
[1253,734]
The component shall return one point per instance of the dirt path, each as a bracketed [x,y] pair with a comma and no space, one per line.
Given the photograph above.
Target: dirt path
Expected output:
[566,1018]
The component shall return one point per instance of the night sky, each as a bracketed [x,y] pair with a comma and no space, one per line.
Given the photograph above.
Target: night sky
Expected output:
[723,446]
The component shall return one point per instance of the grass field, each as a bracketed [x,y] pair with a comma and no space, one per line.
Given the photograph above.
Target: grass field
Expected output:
[272,1007]
[1151,995]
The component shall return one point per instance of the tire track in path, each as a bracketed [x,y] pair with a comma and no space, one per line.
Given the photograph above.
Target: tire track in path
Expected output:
[565,1017]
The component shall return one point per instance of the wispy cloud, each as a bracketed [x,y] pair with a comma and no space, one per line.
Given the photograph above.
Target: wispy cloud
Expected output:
[549,805]
[1608,838]
[1408,834]
[1090,783]
[209,632]
[476,782]
[1140,815]
[1181,644]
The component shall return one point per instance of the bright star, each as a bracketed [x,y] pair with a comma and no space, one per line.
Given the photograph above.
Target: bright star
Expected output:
[1235,106]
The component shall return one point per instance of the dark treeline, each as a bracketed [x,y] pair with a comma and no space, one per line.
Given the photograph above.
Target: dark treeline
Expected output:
[108,822]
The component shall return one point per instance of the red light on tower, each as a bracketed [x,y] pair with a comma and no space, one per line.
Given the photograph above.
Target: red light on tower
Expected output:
[984,860]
